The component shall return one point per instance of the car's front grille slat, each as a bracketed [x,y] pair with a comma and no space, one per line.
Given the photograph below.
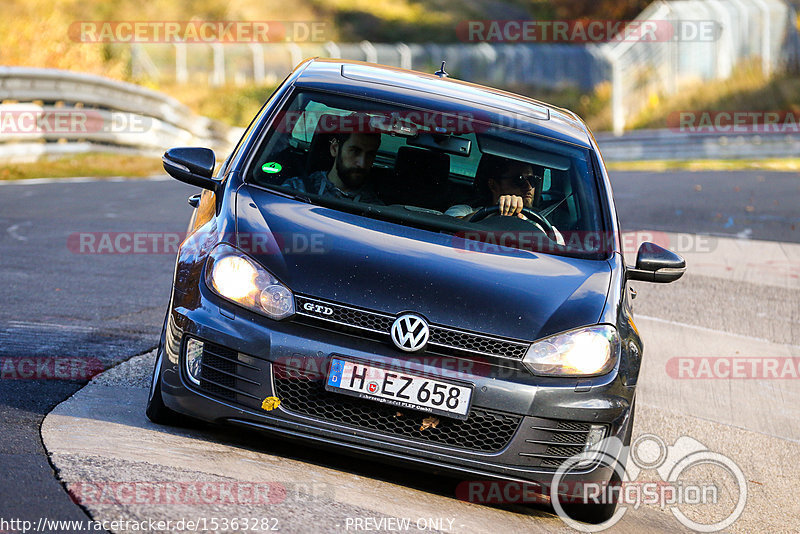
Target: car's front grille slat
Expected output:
[209,350]
[543,442]
[378,325]
[229,388]
[228,373]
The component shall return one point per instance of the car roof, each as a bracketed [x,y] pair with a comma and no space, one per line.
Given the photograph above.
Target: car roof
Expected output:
[429,91]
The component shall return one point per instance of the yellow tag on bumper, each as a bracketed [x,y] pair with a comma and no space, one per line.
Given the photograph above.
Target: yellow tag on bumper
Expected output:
[270,403]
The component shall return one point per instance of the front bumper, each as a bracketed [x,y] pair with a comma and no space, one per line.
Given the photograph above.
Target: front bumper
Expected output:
[520,427]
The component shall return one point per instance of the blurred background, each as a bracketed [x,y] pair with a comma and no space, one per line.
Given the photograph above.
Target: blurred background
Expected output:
[750,60]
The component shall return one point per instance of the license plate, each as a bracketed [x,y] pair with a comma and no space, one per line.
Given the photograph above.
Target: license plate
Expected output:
[399,389]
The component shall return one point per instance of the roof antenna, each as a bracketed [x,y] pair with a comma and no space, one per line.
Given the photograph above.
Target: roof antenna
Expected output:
[441,73]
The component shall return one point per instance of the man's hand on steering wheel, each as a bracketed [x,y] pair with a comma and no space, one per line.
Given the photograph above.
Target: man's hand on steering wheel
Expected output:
[511,205]
[525,213]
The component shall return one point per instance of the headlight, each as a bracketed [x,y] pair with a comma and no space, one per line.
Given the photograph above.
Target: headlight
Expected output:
[587,351]
[236,277]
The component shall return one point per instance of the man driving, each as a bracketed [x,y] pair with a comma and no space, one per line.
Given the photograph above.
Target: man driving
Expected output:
[508,184]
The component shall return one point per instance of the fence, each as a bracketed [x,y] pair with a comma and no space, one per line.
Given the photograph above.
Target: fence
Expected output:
[549,66]
[639,70]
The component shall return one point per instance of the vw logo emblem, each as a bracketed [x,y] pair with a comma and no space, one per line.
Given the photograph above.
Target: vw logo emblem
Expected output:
[410,332]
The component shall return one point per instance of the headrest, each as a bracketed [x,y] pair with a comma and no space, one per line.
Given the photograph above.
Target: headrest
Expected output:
[422,166]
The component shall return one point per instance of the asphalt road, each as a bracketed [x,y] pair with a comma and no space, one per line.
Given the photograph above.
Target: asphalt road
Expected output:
[754,204]
[60,303]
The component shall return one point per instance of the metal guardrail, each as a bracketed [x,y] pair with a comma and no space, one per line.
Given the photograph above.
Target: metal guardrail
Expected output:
[649,145]
[98,114]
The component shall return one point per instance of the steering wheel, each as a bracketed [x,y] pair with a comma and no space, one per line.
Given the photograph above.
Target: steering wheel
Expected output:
[532,216]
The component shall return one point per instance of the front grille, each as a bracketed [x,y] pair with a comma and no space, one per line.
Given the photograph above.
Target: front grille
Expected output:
[221,373]
[553,441]
[483,430]
[377,325]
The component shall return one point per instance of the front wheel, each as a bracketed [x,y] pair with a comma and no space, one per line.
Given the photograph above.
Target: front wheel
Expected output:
[596,513]
[156,410]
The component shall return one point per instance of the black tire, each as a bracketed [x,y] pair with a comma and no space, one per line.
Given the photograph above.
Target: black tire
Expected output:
[599,513]
[156,410]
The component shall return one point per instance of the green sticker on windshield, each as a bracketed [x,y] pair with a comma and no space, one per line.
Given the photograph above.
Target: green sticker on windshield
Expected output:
[271,167]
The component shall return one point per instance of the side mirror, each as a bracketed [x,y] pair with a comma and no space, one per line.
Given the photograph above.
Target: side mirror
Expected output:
[656,264]
[192,165]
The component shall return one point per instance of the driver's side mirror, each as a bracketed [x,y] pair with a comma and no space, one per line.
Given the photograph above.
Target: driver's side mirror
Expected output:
[192,165]
[656,264]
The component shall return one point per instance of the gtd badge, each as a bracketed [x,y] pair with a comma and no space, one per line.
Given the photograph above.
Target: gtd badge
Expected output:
[410,332]
[317,308]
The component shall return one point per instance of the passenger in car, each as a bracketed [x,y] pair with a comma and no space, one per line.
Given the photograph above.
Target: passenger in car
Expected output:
[349,178]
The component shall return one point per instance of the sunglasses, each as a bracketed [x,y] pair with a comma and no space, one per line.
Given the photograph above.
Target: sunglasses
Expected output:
[521,180]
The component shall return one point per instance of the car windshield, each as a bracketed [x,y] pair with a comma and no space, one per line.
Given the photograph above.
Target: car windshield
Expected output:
[446,172]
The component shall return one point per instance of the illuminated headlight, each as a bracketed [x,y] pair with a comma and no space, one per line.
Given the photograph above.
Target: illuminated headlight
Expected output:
[194,358]
[236,277]
[587,351]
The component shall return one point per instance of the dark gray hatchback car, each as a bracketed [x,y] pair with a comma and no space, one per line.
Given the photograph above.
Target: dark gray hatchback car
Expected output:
[409,267]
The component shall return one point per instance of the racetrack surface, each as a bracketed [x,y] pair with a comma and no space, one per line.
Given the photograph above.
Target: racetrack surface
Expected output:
[110,307]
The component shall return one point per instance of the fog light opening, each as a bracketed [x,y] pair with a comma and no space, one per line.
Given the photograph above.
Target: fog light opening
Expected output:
[593,440]
[194,359]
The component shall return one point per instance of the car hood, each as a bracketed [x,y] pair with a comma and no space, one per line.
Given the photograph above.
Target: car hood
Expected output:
[384,266]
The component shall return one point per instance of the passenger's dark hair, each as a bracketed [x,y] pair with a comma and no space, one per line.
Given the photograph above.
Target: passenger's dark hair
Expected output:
[354,123]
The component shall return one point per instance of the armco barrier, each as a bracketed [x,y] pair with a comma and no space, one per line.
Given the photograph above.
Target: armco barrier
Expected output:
[641,145]
[161,121]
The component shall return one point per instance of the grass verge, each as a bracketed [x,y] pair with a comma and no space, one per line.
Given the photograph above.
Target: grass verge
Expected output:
[92,164]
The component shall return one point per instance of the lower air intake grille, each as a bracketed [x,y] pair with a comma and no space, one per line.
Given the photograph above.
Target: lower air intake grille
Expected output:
[552,442]
[483,431]
[222,373]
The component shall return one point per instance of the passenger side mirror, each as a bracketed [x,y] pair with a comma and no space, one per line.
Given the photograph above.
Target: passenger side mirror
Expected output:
[192,165]
[656,264]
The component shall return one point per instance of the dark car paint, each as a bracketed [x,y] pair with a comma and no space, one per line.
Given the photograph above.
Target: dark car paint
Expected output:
[385,266]
[577,292]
